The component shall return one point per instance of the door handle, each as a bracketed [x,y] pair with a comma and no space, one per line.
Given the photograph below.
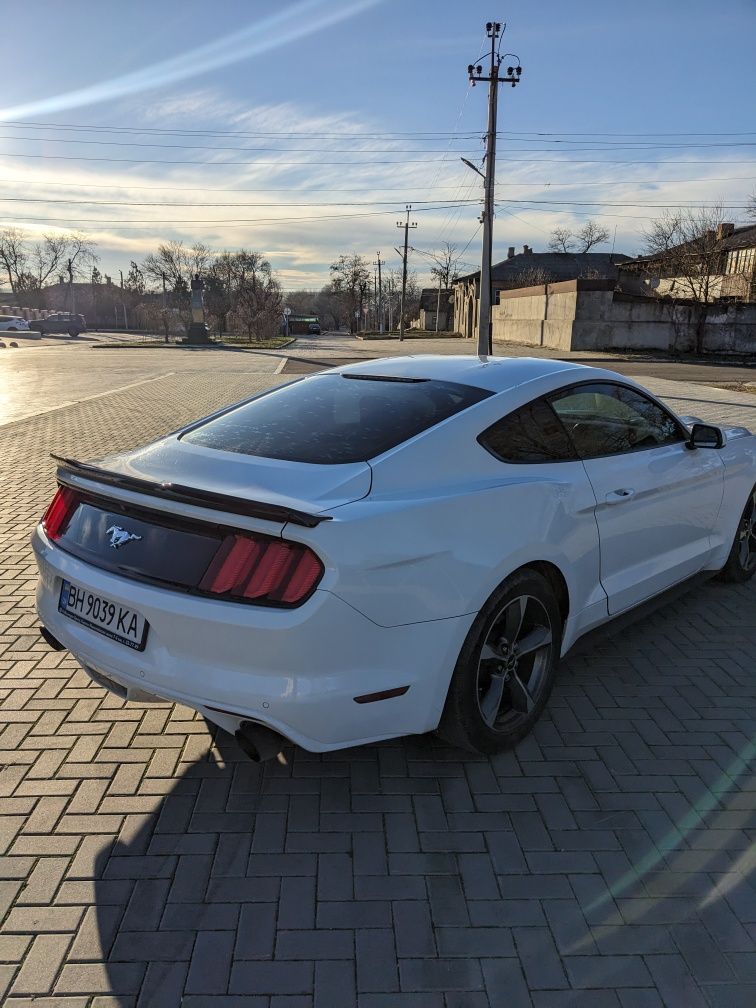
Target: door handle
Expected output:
[617,496]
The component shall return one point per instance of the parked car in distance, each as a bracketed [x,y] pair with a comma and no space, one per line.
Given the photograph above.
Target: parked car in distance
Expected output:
[13,323]
[314,328]
[60,322]
[387,548]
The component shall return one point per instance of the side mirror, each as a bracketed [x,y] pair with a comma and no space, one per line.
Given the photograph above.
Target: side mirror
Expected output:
[705,436]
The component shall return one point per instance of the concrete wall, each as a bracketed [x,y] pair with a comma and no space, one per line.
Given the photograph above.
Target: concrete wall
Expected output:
[26,313]
[590,315]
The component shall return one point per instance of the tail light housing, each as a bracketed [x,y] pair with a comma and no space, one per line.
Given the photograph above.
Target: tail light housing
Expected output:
[257,568]
[60,512]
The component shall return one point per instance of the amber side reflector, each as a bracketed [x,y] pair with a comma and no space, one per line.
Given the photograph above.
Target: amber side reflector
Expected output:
[383,695]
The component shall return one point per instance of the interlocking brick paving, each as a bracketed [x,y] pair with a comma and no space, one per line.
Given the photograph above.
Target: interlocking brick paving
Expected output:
[609,861]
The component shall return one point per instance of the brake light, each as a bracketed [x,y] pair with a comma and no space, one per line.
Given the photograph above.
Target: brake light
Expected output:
[269,570]
[60,512]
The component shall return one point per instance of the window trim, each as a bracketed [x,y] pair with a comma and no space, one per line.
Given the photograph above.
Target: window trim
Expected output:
[684,434]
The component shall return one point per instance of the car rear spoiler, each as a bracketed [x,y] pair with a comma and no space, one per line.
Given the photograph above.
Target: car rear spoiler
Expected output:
[68,467]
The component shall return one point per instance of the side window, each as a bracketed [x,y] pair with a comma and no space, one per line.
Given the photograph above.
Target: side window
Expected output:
[530,434]
[606,419]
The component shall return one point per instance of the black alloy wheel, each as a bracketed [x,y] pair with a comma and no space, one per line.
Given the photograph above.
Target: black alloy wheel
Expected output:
[506,668]
[514,662]
[741,563]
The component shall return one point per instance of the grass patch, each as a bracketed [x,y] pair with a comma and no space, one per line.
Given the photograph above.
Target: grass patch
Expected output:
[158,344]
[409,334]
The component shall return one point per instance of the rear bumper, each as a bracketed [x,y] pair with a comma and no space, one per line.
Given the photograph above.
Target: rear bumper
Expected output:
[296,671]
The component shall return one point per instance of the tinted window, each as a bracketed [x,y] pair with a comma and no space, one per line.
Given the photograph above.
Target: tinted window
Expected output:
[329,419]
[606,419]
[530,434]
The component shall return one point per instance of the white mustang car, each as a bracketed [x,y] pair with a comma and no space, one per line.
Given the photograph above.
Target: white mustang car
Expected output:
[387,548]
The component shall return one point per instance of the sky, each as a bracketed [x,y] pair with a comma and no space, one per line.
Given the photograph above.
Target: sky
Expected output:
[302,129]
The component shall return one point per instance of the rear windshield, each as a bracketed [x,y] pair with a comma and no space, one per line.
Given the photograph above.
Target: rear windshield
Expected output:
[331,419]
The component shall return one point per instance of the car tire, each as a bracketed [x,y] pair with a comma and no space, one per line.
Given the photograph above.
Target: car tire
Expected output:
[73,332]
[498,691]
[12,329]
[741,563]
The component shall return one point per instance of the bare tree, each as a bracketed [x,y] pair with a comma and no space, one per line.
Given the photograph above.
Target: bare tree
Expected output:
[135,280]
[684,253]
[751,211]
[302,302]
[14,257]
[349,282]
[590,234]
[393,283]
[566,240]
[177,263]
[561,240]
[258,300]
[686,260]
[328,307]
[447,261]
[533,276]
[29,265]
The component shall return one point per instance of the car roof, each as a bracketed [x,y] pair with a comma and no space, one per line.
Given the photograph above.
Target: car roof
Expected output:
[496,374]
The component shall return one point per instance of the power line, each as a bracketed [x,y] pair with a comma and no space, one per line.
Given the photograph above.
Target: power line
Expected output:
[368,188]
[564,162]
[216,147]
[658,206]
[95,222]
[610,146]
[338,134]
[162,203]
[224,164]
[583,213]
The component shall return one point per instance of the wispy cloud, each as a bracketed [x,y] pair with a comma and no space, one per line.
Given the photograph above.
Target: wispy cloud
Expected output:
[300,20]
[271,186]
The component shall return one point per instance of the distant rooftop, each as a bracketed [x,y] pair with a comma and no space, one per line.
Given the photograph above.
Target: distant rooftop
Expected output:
[559,265]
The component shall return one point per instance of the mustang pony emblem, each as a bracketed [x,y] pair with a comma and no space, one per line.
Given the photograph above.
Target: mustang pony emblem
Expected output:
[119,536]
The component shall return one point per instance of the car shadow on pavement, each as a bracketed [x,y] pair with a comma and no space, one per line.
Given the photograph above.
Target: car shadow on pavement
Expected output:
[612,851]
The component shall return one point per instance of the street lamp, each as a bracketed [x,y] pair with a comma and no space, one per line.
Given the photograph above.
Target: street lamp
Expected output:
[471,165]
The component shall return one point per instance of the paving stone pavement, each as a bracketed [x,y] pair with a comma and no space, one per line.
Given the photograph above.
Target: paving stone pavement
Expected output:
[607,863]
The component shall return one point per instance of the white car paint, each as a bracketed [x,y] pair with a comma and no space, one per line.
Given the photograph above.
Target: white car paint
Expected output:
[417,540]
[656,511]
[8,324]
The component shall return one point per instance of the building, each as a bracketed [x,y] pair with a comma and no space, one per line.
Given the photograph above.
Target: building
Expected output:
[720,265]
[432,299]
[527,269]
[301,325]
[594,315]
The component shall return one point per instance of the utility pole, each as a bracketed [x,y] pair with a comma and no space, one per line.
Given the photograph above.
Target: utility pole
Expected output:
[380,293]
[438,301]
[71,287]
[406,225]
[475,74]
[164,311]
[123,304]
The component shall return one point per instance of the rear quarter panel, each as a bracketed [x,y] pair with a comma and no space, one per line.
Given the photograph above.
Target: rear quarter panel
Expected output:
[445,522]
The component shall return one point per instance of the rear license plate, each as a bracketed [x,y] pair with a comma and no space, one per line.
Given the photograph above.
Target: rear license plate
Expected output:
[100,614]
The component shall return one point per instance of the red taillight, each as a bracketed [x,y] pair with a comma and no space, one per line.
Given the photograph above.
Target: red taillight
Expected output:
[60,512]
[269,570]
